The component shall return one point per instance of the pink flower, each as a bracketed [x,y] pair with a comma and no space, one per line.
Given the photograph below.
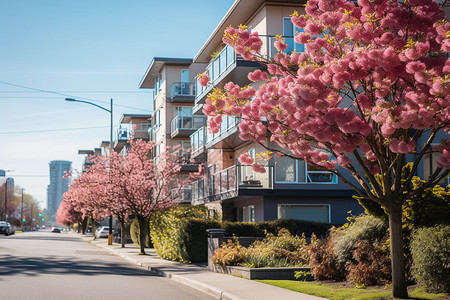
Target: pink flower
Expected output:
[257,75]
[280,45]
[444,160]
[258,168]
[246,159]
[203,79]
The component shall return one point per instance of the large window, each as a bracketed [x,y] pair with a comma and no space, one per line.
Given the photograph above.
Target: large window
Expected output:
[305,212]
[288,170]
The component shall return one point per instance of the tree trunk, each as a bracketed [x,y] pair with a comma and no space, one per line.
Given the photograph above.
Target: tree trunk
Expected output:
[141,222]
[399,288]
[122,233]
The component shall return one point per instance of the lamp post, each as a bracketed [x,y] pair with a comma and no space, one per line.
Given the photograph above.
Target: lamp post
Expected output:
[110,237]
[21,212]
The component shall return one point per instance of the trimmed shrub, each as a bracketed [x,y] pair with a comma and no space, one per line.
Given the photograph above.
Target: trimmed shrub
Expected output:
[134,233]
[430,249]
[175,238]
[260,229]
[193,239]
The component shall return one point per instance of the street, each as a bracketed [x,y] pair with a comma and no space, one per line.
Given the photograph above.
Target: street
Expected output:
[45,265]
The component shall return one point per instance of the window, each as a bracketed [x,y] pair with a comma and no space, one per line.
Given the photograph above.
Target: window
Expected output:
[297,171]
[289,31]
[286,170]
[246,213]
[184,75]
[183,111]
[157,120]
[305,212]
[158,82]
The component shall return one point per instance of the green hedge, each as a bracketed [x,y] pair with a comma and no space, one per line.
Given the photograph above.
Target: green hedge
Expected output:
[430,249]
[168,235]
[179,233]
[259,229]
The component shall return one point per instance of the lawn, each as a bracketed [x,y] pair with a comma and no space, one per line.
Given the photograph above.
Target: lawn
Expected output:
[340,291]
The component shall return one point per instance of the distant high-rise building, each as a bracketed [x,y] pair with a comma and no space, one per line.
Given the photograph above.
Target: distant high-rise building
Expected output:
[6,195]
[58,185]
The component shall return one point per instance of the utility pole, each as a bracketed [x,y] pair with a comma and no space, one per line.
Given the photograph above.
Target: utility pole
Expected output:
[21,212]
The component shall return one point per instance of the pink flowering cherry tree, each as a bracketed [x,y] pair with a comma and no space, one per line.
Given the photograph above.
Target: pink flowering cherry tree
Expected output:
[369,94]
[67,215]
[85,195]
[141,185]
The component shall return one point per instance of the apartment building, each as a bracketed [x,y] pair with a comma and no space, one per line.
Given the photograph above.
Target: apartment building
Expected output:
[289,188]
[173,122]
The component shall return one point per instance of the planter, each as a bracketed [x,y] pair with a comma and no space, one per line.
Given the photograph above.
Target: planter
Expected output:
[261,273]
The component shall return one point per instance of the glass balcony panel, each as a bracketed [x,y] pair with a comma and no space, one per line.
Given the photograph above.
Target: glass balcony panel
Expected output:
[250,179]
[192,123]
[231,57]
[182,89]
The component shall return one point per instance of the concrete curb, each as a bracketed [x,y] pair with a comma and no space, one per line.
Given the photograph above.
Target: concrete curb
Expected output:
[200,286]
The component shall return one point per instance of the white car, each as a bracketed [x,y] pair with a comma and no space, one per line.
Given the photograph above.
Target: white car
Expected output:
[103,232]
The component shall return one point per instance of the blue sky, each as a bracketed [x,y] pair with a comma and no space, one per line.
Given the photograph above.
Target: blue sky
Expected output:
[92,50]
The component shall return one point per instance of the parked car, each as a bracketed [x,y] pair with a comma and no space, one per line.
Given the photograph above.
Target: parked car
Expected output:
[5,228]
[56,230]
[12,229]
[103,232]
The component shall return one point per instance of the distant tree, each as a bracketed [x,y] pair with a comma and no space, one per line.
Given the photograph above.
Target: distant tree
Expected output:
[369,94]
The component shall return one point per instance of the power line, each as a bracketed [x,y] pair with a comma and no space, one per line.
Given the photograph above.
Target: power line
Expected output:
[91,92]
[45,91]
[69,96]
[12,176]
[52,130]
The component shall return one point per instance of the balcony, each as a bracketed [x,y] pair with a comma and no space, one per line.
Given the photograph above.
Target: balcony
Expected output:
[229,182]
[187,164]
[228,135]
[185,126]
[182,92]
[198,139]
[124,133]
[220,69]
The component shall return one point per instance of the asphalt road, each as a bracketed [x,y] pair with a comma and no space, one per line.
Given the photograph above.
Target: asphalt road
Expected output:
[45,265]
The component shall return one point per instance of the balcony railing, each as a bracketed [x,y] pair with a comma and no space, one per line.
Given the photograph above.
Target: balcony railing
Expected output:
[140,131]
[182,89]
[223,61]
[230,180]
[198,139]
[122,134]
[227,124]
[187,123]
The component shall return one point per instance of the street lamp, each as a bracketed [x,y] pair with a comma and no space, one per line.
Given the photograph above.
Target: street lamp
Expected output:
[110,237]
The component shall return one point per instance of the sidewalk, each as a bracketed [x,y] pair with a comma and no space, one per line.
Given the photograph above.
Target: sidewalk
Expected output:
[220,286]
